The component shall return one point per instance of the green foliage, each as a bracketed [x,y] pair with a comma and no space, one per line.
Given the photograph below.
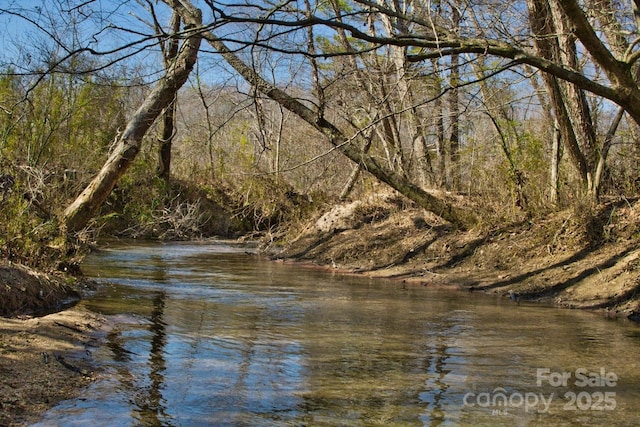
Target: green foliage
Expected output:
[52,140]
[60,122]
[343,5]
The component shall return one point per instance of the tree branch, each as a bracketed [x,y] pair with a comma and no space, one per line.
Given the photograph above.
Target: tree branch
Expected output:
[460,217]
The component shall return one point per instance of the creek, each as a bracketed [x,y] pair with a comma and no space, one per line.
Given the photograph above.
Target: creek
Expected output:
[211,334]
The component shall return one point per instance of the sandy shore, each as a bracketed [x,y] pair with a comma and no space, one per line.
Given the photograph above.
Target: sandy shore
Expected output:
[44,360]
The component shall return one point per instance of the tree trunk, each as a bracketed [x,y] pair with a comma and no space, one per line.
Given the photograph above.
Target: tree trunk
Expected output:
[78,214]
[555,153]
[577,104]
[355,172]
[566,112]
[166,141]
[554,165]
[407,105]
[438,117]
[454,181]
[460,217]
[606,145]
[168,115]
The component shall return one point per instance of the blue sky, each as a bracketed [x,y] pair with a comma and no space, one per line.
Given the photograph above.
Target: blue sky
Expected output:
[102,25]
[35,30]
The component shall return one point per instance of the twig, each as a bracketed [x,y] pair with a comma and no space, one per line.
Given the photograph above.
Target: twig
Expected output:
[73,328]
[69,366]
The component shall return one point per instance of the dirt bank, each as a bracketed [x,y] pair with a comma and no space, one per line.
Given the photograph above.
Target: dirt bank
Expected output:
[26,291]
[43,360]
[587,258]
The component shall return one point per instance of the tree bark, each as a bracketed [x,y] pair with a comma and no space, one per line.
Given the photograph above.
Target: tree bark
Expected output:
[554,164]
[355,173]
[555,139]
[407,105]
[170,52]
[438,118]
[577,104]
[454,180]
[606,145]
[166,141]
[78,214]
[547,45]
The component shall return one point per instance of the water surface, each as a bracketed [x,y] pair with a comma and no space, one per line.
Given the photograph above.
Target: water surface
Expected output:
[213,335]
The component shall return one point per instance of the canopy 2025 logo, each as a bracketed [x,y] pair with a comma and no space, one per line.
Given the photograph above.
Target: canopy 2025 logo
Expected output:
[594,393]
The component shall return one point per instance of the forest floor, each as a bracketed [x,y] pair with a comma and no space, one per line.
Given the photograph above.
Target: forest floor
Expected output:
[581,258]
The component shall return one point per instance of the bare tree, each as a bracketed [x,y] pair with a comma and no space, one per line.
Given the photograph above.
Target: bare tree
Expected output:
[78,214]
[458,216]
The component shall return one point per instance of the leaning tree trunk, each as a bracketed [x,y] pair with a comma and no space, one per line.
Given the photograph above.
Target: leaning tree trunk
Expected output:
[462,218]
[78,214]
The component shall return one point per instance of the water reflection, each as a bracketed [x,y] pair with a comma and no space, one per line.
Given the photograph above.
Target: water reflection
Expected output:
[150,402]
[217,337]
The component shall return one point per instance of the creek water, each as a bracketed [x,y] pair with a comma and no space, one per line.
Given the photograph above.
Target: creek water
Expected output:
[212,335]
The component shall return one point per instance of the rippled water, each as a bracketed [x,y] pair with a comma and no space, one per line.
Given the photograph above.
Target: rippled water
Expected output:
[212,335]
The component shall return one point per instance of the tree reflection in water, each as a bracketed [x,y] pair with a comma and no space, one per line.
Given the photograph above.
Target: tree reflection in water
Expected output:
[226,339]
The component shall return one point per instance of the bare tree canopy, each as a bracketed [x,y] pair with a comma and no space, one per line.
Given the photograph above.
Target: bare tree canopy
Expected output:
[424,29]
[400,58]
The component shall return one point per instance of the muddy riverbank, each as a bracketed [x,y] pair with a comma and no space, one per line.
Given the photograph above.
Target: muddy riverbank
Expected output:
[576,259]
[44,360]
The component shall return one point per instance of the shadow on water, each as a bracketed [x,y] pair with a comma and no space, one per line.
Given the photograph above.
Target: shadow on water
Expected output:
[217,337]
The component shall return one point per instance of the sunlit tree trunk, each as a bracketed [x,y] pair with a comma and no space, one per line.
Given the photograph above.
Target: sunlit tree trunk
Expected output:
[613,31]
[576,100]
[78,214]
[547,45]
[460,217]
[555,139]
[414,130]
